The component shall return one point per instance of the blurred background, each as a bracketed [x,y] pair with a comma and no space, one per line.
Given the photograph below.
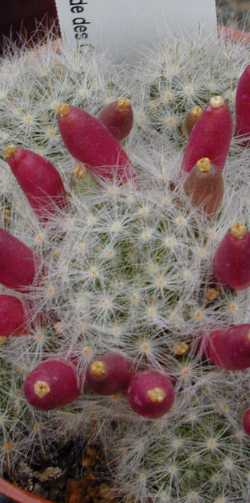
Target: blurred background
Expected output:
[235,13]
[27,18]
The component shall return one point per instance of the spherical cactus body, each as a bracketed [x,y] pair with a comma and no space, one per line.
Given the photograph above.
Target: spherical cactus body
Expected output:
[89,141]
[18,263]
[109,374]
[231,263]
[230,348]
[52,384]
[39,180]
[151,394]
[118,118]
[211,136]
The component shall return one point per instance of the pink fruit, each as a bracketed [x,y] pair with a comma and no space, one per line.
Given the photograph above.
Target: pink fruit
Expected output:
[246,421]
[243,105]
[205,186]
[18,263]
[231,263]
[109,374]
[118,118]
[89,141]
[230,348]
[51,385]
[211,136]
[39,180]
[12,316]
[151,394]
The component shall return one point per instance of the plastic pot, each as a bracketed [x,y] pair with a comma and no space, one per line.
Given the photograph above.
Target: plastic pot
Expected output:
[9,493]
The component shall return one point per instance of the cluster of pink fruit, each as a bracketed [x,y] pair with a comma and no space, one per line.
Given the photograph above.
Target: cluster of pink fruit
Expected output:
[96,143]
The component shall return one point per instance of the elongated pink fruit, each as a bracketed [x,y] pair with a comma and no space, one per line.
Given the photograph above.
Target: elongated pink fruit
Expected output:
[18,263]
[211,136]
[243,106]
[12,316]
[89,141]
[246,421]
[39,180]
[230,348]
[118,118]
[52,384]
[231,263]
[151,394]
[109,374]
[205,186]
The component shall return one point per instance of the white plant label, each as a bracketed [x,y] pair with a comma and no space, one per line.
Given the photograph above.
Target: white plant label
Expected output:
[122,28]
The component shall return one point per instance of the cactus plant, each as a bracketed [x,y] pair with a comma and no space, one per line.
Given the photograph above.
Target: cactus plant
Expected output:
[126,282]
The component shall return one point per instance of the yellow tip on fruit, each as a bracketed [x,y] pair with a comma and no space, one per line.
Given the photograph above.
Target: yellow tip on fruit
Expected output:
[62,109]
[9,151]
[238,231]
[217,101]
[98,369]
[181,348]
[204,165]
[156,395]
[123,103]
[3,340]
[41,389]
[196,111]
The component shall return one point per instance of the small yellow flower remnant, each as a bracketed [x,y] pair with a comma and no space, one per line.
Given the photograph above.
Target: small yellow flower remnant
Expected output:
[80,171]
[156,395]
[181,348]
[212,294]
[199,315]
[41,388]
[98,369]
[3,340]
[238,231]
[123,103]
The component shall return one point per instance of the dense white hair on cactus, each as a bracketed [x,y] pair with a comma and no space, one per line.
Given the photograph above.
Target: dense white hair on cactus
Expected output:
[127,269]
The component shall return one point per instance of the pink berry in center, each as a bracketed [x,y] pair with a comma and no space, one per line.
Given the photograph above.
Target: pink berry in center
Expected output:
[151,394]
[109,374]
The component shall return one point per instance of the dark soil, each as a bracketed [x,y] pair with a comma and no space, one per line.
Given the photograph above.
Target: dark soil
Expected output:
[75,473]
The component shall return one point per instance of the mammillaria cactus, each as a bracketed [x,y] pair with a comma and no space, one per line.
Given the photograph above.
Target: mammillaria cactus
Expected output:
[135,283]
